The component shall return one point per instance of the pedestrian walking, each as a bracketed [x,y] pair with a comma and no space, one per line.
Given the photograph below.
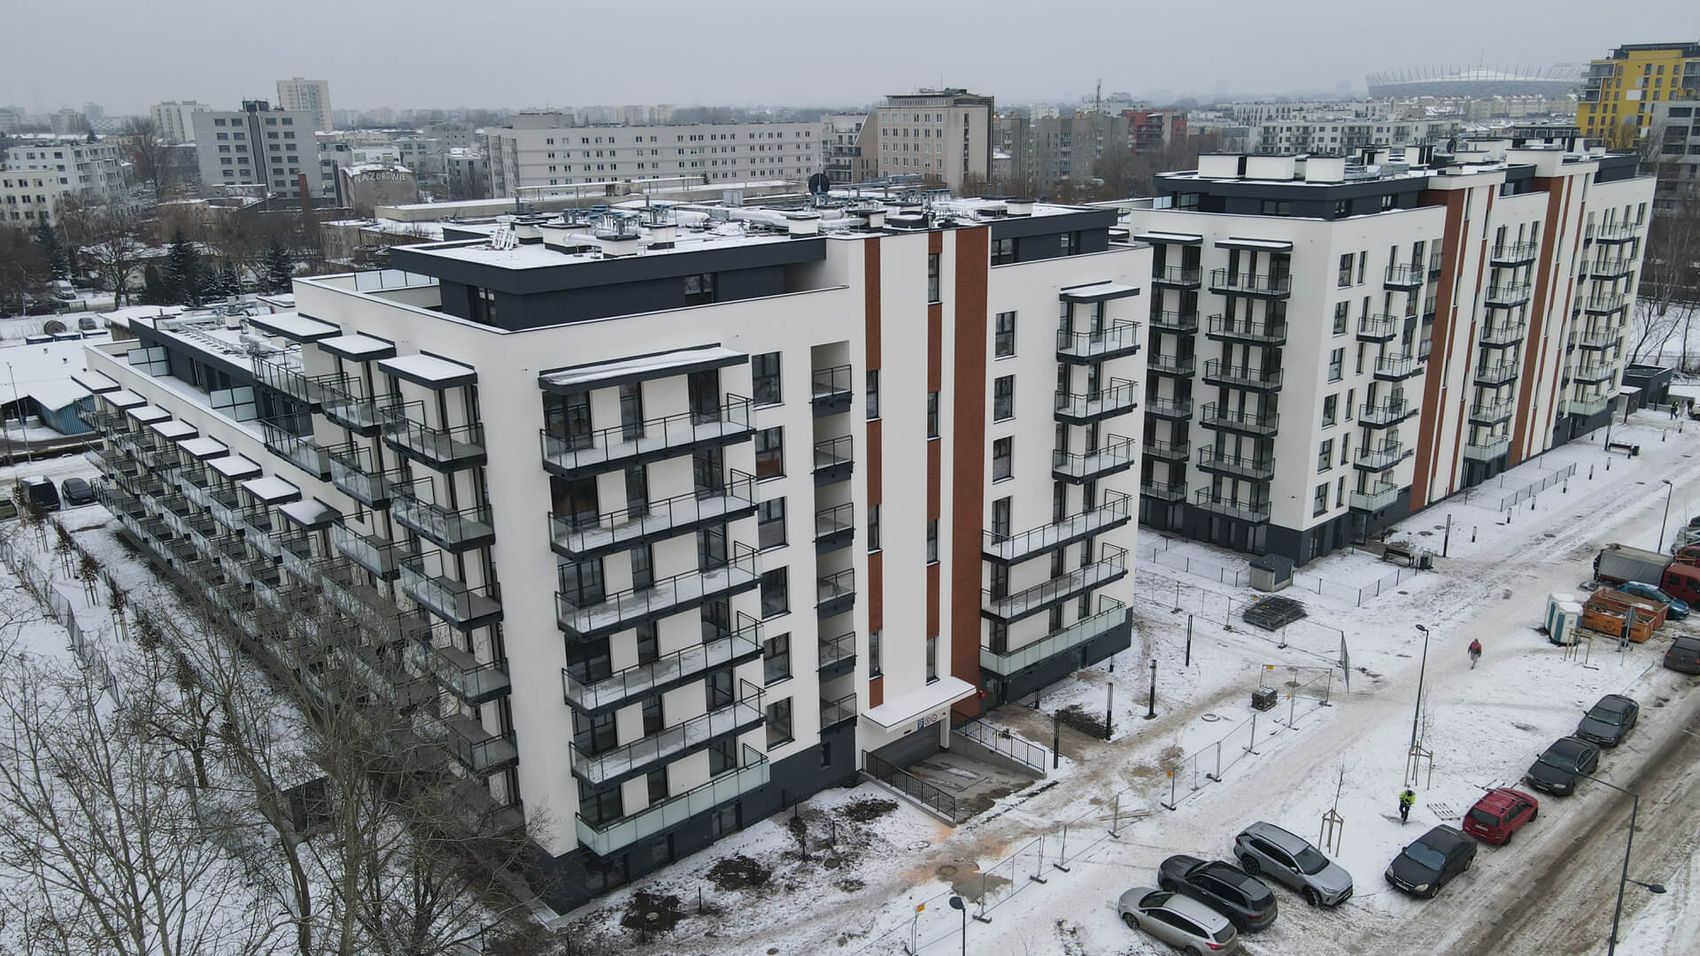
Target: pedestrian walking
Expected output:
[1407,798]
[1475,653]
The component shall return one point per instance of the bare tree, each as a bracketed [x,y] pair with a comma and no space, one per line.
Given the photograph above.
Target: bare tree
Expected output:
[149,155]
[1666,301]
[110,240]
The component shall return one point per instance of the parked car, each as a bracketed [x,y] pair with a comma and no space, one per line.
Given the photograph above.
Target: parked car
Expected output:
[1431,862]
[1674,609]
[1558,767]
[75,492]
[8,508]
[1683,656]
[1499,814]
[1265,849]
[1607,722]
[39,493]
[1181,922]
[1224,887]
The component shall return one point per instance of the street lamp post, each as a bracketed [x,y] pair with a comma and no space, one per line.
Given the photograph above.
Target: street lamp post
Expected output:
[1628,845]
[1669,489]
[1416,714]
[957,904]
[1151,705]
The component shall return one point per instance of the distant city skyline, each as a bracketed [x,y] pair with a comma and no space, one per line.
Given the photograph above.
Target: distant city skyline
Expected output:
[745,55]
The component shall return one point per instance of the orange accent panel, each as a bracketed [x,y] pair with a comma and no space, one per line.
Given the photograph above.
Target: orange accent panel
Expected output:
[876,692]
[871,301]
[935,348]
[935,468]
[876,591]
[933,601]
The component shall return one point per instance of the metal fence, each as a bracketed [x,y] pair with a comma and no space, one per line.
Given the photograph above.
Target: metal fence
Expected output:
[1215,607]
[1357,593]
[911,786]
[1305,689]
[1534,488]
[39,582]
[1003,742]
[1229,574]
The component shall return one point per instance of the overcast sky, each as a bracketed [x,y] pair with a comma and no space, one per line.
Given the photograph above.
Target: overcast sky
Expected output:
[126,54]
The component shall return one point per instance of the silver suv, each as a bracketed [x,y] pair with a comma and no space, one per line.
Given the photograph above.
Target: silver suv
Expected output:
[1266,850]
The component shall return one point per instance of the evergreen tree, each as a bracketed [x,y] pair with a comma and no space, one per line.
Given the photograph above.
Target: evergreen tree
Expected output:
[279,268]
[183,280]
[153,288]
[229,282]
[53,250]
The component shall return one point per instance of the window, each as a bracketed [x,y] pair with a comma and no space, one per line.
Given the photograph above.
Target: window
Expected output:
[1325,456]
[1003,398]
[779,722]
[933,541]
[699,289]
[1321,503]
[874,654]
[933,291]
[1328,409]
[932,414]
[1363,264]
[1003,251]
[1277,207]
[776,658]
[770,452]
[770,523]
[873,527]
[1069,243]
[764,376]
[874,394]
[932,659]
[775,592]
[1345,277]
[1003,335]
[1336,359]
[1003,454]
[1340,310]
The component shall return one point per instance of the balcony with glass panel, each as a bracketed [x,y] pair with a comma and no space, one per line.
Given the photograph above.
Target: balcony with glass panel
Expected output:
[453,531]
[1173,409]
[670,743]
[586,615]
[1116,340]
[1487,449]
[1397,367]
[1218,372]
[1175,277]
[721,649]
[1174,321]
[834,460]
[1110,566]
[1378,496]
[1595,340]
[608,449]
[460,672]
[829,390]
[1176,366]
[374,553]
[1508,254]
[1612,267]
[1168,450]
[463,605]
[1496,374]
[1591,372]
[285,375]
[836,712]
[586,536]
[837,655]
[1507,296]
[1083,408]
[1263,284]
[1111,616]
[1250,467]
[1404,277]
[609,837]
[354,474]
[1224,328]
[1113,512]
[1380,327]
[835,593]
[443,448]
[346,403]
[1163,490]
[1587,406]
[1503,334]
[302,450]
[835,528]
[1114,456]
[1385,414]
[1491,413]
[1380,457]
[1254,511]
[1605,303]
[1247,423]
[1613,233]
[472,746]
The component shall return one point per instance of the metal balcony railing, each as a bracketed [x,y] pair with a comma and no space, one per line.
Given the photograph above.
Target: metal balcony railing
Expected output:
[835,712]
[1168,407]
[1612,267]
[290,380]
[725,649]
[835,593]
[1613,232]
[1379,457]
[1217,372]
[1168,450]
[1401,276]
[1171,321]
[1249,283]
[1112,456]
[630,759]
[1116,339]
[1506,296]
[373,553]
[1186,276]
[1588,406]
[586,535]
[834,460]
[1502,334]
[1181,365]
[609,837]
[1113,511]
[1379,496]
[834,526]
[475,748]
[1111,614]
[353,474]
[1380,327]
[1491,413]
[1496,374]
[588,615]
[1487,449]
[347,404]
[1245,329]
[456,602]
[835,651]
[1595,339]
[1118,398]
[1110,565]
[452,530]
[1254,423]
[607,448]
[1606,304]
[1240,466]
[1591,372]
[1253,511]
[302,450]
[1386,413]
[442,448]
[1513,254]
[829,390]
[1163,490]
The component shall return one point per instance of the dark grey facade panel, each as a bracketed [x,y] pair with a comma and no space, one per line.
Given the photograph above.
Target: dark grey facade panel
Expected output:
[577,273]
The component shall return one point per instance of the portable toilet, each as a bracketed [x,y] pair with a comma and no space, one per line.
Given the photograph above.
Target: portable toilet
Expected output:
[1564,618]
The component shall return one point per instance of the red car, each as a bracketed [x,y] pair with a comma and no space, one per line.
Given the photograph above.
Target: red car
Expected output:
[1500,813]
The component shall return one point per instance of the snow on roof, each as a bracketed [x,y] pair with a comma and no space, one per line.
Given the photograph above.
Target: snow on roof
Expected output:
[203,448]
[293,325]
[175,430]
[234,467]
[122,317]
[148,414]
[1099,290]
[919,703]
[364,168]
[271,489]
[429,370]
[585,376]
[95,382]
[1159,236]
[310,513]
[56,395]
[124,398]
[357,346]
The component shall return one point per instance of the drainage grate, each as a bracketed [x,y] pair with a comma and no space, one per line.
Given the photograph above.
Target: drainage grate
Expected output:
[1274,612]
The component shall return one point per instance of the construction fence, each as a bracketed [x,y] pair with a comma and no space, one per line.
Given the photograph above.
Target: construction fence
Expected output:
[40,583]
[1300,692]
[1158,592]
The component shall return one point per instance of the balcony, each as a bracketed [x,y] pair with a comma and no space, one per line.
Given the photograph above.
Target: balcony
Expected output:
[1176,365]
[1592,372]
[1385,414]
[1009,549]
[1434,263]
[1587,407]
[1380,495]
[829,390]
[381,557]
[463,605]
[1168,450]
[1613,232]
[670,743]
[1612,267]
[1111,616]
[1217,372]
[1502,334]
[443,449]
[1404,278]
[347,589]
[302,450]
[1595,340]
[835,593]
[1169,408]
[1248,467]
[353,474]
[725,649]
[835,712]
[835,528]
[1487,449]
[833,461]
[1496,374]
[1507,254]
[582,537]
[1605,304]
[605,839]
[1174,321]
[1224,328]
[346,404]
[472,746]
[1506,296]
[608,449]
[1163,490]
[1264,284]
[1491,413]
[453,531]
[1083,408]
[1397,367]
[1175,277]
[1380,457]
[1248,423]
[837,655]
[1118,340]
[289,380]
[586,616]
[1256,512]
[1380,327]
[1110,566]
[1115,456]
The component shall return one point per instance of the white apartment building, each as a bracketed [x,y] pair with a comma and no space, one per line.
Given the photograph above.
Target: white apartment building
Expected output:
[943,135]
[849,142]
[310,96]
[614,489]
[93,172]
[27,198]
[1333,134]
[1674,131]
[173,120]
[259,145]
[1337,345]
[541,149]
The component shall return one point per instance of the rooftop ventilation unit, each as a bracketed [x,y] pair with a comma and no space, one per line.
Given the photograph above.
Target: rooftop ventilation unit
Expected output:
[873,215]
[907,221]
[1019,207]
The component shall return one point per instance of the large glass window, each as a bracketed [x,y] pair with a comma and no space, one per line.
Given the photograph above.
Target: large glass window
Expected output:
[770,452]
[933,291]
[770,523]
[764,378]
[775,592]
[874,394]
[932,414]
[1003,398]
[776,658]
[1003,458]
[779,722]
[1003,335]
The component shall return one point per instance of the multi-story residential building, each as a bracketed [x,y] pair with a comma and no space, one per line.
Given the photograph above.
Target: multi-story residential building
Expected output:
[1324,134]
[848,144]
[263,146]
[93,172]
[1621,90]
[614,491]
[944,135]
[1674,154]
[173,120]
[67,122]
[1335,346]
[11,118]
[27,198]
[1151,130]
[465,173]
[308,96]
[540,150]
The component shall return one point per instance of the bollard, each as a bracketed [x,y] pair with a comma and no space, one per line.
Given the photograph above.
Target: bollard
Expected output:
[1590,472]
[1062,857]
[1531,504]
[1566,489]
[1472,534]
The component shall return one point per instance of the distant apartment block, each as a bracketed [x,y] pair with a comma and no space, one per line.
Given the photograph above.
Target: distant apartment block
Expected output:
[173,120]
[259,145]
[1335,135]
[27,198]
[93,172]
[310,96]
[849,142]
[1622,91]
[1674,153]
[1151,131]
[943,135]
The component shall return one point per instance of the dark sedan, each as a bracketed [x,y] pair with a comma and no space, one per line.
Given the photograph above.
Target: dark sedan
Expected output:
[1224,887]
[1607,722]
[76,491]
[1558,767]
[1437,856]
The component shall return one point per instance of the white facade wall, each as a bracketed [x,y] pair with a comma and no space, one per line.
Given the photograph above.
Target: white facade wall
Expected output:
[308,96]
[92,171]
[173,120]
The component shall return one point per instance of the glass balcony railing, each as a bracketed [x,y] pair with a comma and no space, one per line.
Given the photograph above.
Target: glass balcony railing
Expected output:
[451,530]
[1606,303]
[1182,276]
[837,651]
[1396,367]
[608,448]
[1168,450]
[1496,374]
[1513,254]
[584,536]
[835,593]
[1377,497]
[1227,281]
[1491,413]
[644,754]
[1245,329]
[460,672]
[1249,467]
[833,460]
[603,839]
[1163,490]
[456,602]
[1387,413]
[474,747]
[1253,511]
[1217,372]
[375,554]
[353,473]
[1380,457]
[588,615]
[1172,408]
[1117,339]
[443,448]
[1112,512]
[302,450]
[830,390]
[1119,398]
[1380,327]
[1402,276]
[1507,296]
[1487,449]
[1502,334]
[1175,321]
[1110,565]
[835,712]
[1112,456]
[725,649]
[1252,423]
[1111,614]
[1181,366]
